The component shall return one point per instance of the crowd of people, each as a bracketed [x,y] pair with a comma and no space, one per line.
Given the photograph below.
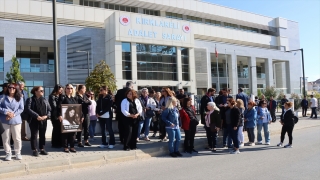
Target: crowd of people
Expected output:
[137,113]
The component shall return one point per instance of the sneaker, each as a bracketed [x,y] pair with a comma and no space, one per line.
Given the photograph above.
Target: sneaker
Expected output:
[35,153]
[154,135]
[110,146]
[280,144]
[103,146]
[18,157]
[178,154]
[252,144]
[87,144]
[288,146]
[267,143]
[241,144]
[173,155]
[235,152]
[259,143]
[165,139]
[8,157]
[44,152]
[225,146]
[80,145]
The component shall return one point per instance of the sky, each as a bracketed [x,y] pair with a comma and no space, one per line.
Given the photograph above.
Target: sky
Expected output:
[305,12]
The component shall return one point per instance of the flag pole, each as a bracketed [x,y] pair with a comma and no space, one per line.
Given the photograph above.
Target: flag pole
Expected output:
[227,74]
[216,54]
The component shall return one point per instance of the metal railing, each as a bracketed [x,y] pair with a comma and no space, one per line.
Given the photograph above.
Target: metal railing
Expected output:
[38,68]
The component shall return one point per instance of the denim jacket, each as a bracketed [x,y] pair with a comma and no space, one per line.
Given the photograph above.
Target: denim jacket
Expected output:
[169,117]
[251,116]
[14,106]
[260,114]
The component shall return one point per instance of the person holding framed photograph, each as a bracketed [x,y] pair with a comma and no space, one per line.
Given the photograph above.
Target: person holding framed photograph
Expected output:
[68,137]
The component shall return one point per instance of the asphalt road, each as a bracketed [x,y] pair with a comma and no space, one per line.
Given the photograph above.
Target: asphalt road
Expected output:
[258,162]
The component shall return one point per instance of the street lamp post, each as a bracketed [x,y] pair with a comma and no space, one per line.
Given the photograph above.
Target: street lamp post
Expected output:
[87,59]
[304,78]
[55,46]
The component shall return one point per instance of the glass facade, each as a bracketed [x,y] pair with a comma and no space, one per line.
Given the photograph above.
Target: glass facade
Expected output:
[174,15]
[119,7]
[89,3]
[221,67]
[151,12]
[126,61]
[213,22]
[243,71]
[156,62]
[194,19]
[185,64]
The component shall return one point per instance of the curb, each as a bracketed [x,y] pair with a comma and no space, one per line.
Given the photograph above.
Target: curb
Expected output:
[101,158]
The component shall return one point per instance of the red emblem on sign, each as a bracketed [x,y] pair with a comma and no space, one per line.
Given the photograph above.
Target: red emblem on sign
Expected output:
[124,20]
[186,28]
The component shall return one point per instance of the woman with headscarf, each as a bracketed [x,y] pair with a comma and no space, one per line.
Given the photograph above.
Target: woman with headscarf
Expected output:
[212,125]
[39,110]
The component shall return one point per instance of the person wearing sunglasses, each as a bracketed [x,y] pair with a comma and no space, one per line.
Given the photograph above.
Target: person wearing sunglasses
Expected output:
[92,113]
[11,106]
[68,98]
[38,109]
[263,121]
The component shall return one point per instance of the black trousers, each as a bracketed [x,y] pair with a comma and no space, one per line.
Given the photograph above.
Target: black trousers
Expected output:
[304,110]
[38,127]
[211,137]
[85,129]
[120,118]
[162,129]
[68,138]
[273,115]
[130,134]
[189,136]
[56,133]
[155,124]
[286,129]
[251,135]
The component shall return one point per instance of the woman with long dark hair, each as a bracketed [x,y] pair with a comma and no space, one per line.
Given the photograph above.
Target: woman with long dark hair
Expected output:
[104,113]
[39,110]
[54,101]
[71,116]
[166,93]
[189,125]
[131,109]
[11,106]
[68,98]
[232,115]
[85,103]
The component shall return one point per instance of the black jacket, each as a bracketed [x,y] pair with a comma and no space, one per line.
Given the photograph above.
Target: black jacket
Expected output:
[234,116]
[31,108]
[121,95]
[54,102]
[203,107]
[104,105]
[85,102]
[287,118]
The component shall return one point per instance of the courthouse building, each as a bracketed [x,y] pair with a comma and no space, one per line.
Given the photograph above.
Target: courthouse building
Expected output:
[154,43]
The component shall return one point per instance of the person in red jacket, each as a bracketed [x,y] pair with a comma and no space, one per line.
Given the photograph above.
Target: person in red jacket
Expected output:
[189,125]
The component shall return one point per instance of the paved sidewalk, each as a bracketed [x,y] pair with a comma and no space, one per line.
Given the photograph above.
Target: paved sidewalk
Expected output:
[58,160]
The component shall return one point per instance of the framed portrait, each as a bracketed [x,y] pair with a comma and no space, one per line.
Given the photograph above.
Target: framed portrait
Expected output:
[71,115]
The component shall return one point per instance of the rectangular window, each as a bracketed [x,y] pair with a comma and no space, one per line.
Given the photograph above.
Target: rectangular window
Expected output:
[1,60]
[243,71]
[185,64]
[221,67]
[151,12]
[194,19]
[126,61]
[156,62]
[231,26]
[213,22]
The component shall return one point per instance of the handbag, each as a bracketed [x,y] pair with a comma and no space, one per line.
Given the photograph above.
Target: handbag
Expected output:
[150,113]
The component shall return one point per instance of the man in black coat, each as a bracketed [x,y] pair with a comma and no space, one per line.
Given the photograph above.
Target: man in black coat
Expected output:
[121,95]
[209,97]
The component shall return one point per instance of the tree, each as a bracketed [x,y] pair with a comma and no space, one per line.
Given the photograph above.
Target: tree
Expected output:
[270,91]
[101,76]
[14,75]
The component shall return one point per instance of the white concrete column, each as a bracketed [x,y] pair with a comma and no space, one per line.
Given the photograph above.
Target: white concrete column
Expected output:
[280,76]
[179,67]
[287,77]
[209,69]
[269,72]
[232,74]
[134,65]
[253,75]
[10,45]
[192,71]
[115,57]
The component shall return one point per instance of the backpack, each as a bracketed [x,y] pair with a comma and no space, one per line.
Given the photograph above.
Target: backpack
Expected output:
[295,119]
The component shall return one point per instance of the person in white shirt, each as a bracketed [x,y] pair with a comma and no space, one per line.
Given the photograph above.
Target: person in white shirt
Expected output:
[131,108]
[313,105]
